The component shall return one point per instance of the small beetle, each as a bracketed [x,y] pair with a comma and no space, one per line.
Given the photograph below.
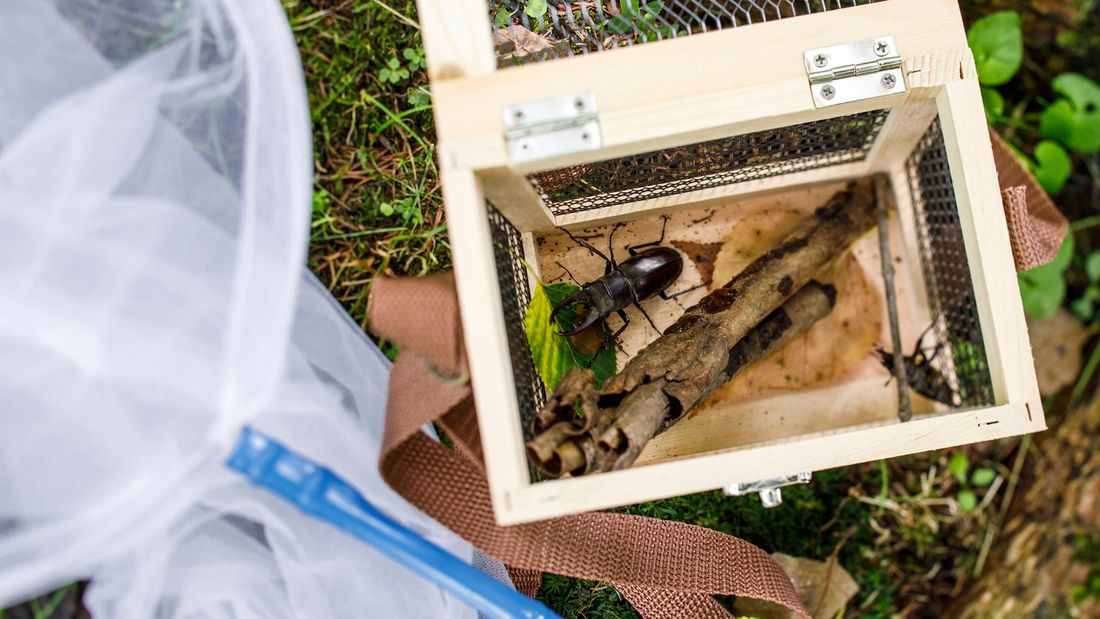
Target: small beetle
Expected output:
[923,377]
[647,273]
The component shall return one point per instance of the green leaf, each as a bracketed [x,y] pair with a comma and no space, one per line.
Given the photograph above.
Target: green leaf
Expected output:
[968,501]
[998,46]
[1082,308]
[983,477]
[1052,166]
[959,466]
[535,8]
[994,104]
[553,354]
[394,63]
[386,209]
[409,54]
[1043,289]
[1092,266]
[1065,254]
[1074,120]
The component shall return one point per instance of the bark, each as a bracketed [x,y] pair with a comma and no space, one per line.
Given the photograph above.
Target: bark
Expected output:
[691,353]
[1031,569]
[601,439]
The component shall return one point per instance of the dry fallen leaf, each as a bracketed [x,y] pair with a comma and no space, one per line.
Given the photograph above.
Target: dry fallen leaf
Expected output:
[824,587]
[1056,346]
[702,255]
[517,45]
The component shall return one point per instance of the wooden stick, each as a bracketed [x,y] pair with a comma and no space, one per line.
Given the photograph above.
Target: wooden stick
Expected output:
[905,408]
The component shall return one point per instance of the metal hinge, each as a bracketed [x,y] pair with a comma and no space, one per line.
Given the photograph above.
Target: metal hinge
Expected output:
[769,489]
[854,71]
[551,127]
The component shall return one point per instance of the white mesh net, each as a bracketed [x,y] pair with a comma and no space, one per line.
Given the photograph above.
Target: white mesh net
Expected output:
[155,172]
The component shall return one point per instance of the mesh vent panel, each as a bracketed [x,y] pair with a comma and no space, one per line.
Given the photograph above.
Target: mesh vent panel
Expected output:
[515,294]
[946,271]
[725,161]
[585,26]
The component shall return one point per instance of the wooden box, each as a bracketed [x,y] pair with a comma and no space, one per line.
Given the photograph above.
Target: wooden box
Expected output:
[725,127]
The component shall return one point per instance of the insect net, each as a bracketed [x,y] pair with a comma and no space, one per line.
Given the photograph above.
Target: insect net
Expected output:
[155,173]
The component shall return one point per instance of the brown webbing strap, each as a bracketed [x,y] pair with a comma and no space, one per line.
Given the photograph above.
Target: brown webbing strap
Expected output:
[666,569]
[1036,228]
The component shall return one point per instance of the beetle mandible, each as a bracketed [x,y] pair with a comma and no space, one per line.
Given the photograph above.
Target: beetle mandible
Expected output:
[647,273]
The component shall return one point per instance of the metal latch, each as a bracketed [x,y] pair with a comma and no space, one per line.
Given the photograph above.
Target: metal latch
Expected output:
[551,127]
[769,489]
[854,71]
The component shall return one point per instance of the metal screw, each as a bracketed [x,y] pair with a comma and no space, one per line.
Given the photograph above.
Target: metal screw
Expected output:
[889,81]
[518,114]
[882,48]
[828,91]
[820,60]
[579,103]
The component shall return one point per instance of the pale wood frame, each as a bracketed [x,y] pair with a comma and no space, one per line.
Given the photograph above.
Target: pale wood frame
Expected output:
[694,104]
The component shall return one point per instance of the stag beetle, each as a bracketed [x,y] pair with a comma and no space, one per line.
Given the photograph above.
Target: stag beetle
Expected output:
[923,377]
[647,273]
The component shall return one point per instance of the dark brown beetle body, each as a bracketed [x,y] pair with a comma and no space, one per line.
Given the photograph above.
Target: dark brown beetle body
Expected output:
[644,275]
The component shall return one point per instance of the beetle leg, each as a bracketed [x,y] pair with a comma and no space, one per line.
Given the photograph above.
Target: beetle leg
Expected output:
[670,297]
[642,310]
[633,249]
[626,323]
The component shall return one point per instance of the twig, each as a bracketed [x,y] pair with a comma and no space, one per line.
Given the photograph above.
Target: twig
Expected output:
[398,15]
[905,408]
[1006,502]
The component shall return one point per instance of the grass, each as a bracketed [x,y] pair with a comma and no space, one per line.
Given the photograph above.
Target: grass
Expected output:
[376,204]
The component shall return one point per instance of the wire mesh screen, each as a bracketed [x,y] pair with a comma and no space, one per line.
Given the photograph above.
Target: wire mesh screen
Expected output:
[515,293]
[947,273]
[724,161]
[568,28]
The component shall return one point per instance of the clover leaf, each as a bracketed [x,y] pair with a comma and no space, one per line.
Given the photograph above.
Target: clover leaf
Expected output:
[994,104]
[1044,288]
[535,8]
[998,46]
[1074,119]
[1052,166]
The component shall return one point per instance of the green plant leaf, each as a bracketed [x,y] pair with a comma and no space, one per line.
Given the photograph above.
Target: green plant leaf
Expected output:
[1074,120]
[968,501]
[1044,288]
[553,354]
[386,209]
[998,46]
[535,8]
[1082,308]
[959,466]
[1052,166]
[983,477]
[1092,266]
[994,104]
